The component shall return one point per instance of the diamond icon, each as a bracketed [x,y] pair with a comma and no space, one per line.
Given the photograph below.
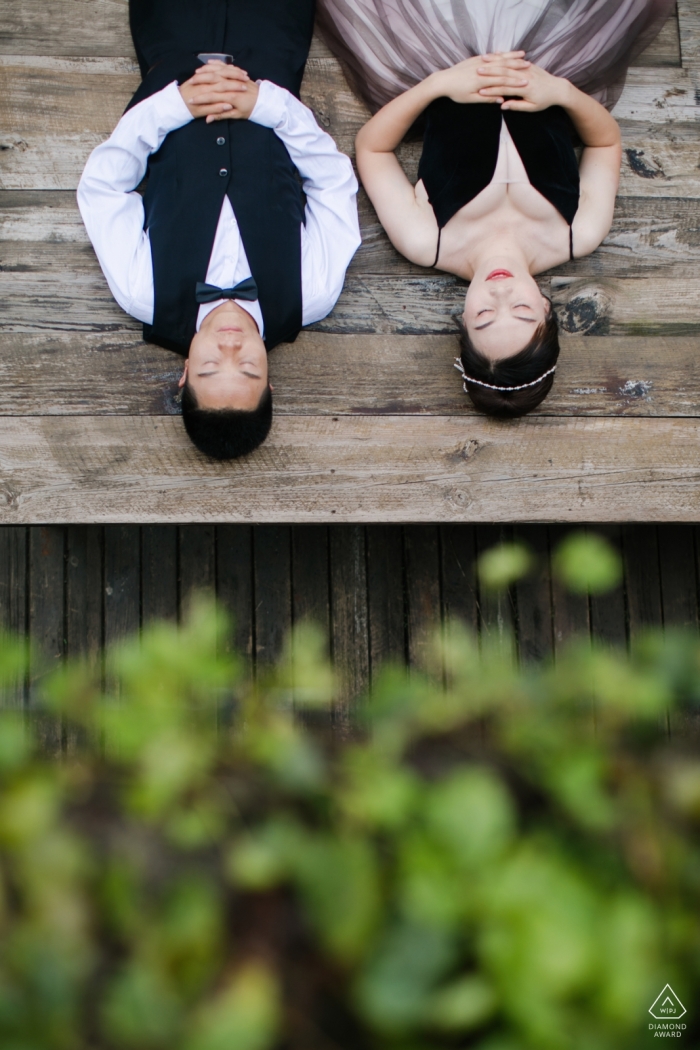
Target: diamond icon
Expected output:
[667,1005]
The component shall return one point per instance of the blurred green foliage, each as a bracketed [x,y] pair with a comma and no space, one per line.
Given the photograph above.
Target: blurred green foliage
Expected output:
[498,858]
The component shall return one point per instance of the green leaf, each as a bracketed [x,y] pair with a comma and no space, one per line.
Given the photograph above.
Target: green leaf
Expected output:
[244,1016]
[394,990]
[504,565]
[587,564]
[339,881]
[472,813]
[462,1005]
[141,1009]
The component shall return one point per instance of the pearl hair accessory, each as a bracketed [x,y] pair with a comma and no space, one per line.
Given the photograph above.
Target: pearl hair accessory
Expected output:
[491,386]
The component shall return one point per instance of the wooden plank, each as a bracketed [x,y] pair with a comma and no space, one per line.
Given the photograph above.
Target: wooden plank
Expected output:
[635,306]
[608,611]
[349,622]
[310,576]
[81,100]
[60,287]
[101,27]
[75,27]
[234,587]
[353,469]
[642,581]
[65,27]
[679,594]
[122,582]
[273,591]
[533,597]
[385,596]
[159,573]
[459,592]
[46,622]
[84,589]
[196,564]
[14,602]
[423,598]
[326,374]
[665,50]
[497,617]
[570,612]
[689,31]
[648,232]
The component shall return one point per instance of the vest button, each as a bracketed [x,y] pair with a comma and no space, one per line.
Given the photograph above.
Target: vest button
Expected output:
[223,172]
[221,140]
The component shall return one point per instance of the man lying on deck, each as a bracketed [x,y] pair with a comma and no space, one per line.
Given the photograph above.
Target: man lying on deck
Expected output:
[222,259]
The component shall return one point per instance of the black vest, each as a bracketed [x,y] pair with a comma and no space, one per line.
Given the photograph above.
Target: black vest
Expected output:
[460,153]
[188,178]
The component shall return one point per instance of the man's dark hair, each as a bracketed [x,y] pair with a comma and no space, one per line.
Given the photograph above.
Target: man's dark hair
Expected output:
[226,433]
[534,360]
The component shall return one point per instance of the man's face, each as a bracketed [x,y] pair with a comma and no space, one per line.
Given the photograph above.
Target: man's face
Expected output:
[227,364]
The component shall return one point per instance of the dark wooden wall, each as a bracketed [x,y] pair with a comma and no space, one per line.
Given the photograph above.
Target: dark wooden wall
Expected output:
[376,590]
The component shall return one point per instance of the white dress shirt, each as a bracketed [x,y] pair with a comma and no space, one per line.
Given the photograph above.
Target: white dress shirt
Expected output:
[113,212]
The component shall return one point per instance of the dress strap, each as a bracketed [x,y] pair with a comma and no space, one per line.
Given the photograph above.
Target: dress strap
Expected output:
[571,242]
[437,254]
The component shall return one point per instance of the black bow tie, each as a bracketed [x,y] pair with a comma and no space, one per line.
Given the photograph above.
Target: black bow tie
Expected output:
[209,293]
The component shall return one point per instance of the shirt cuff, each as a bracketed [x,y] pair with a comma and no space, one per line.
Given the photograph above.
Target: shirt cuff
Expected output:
[172,113]
[271,106]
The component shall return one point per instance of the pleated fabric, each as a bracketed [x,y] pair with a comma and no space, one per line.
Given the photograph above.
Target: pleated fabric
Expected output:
[387,46]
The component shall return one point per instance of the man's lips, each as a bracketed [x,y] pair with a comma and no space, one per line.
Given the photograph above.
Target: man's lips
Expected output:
[499,275]
[229,328]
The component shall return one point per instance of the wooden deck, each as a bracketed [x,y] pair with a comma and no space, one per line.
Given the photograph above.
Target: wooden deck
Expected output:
[377,591]
[371,424]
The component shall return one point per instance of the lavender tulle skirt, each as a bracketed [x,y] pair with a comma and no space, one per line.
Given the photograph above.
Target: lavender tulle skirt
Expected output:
[387,46]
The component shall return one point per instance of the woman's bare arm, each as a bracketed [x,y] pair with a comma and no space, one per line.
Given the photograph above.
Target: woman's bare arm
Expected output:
[410,223]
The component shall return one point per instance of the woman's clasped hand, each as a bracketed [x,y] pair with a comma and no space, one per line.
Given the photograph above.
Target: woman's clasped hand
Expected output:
[506,78]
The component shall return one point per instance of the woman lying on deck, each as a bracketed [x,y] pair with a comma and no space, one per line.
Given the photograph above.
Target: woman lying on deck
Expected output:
[504,88]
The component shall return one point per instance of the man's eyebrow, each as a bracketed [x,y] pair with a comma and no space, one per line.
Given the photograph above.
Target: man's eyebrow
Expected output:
[203,375]
[250,375]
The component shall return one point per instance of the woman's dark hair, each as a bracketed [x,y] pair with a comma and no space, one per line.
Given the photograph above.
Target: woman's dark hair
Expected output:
[226,433]
[534,360]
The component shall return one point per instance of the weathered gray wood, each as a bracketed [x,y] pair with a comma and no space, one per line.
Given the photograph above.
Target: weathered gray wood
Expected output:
[47,623]
[86,373]
[665,50]
[61,288]
[647,232]
[65,27]
[689,31]
[320,374]
[353,469]
[81,100]
[101,27]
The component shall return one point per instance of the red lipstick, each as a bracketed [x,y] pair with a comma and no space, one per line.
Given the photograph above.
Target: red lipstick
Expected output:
[499,275]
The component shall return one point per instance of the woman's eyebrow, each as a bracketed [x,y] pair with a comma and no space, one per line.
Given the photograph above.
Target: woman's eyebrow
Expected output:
[480,326]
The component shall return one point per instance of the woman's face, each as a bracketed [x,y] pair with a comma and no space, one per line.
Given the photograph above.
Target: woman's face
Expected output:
[502,312]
